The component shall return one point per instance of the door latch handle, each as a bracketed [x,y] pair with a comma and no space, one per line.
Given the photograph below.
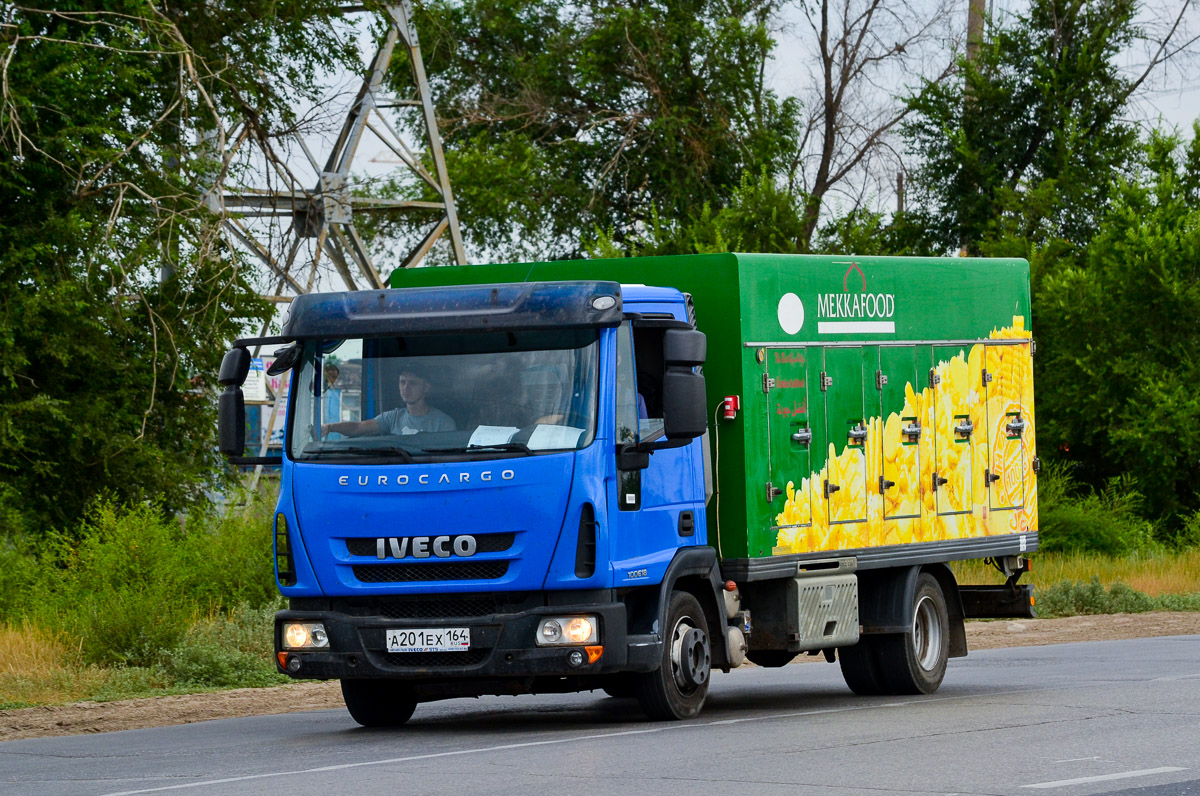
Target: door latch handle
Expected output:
[911,432]
[1014,427]
[830,488]
[939,481]
[858,433]
[885,485]
[773,492]
[990,477]
[964,428]
[803,437]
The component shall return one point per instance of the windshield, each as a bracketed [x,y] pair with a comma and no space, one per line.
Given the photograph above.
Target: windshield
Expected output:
[445,397]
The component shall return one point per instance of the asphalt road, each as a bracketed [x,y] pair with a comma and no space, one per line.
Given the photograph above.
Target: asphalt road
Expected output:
[1102,717]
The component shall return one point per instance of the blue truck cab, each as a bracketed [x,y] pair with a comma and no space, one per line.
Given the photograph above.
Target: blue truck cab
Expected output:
[508,495]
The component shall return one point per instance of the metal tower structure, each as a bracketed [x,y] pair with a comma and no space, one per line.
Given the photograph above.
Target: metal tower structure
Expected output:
[297,215]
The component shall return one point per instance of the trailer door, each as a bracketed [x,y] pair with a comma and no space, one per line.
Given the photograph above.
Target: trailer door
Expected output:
[845,482]
[900,467]
[954,434]
[1008,456]
[792,437]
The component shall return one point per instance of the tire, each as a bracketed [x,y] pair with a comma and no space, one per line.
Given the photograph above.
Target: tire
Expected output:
[678,688]
[915,662]
[620,686]
[860,667]
[770,659]
[378,703]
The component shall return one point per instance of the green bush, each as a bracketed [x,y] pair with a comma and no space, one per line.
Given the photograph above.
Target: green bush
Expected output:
[1072,598]
[1072,518]
[233,651]
[131,581]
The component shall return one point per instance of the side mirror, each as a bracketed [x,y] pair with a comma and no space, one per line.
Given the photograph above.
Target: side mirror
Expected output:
[685,411]
[684,347]
[231,422]
[285,359]
[231,410]
[231,406]
[630,457]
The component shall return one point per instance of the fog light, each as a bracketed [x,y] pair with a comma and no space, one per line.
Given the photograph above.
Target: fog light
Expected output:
[575,658]
[293,664]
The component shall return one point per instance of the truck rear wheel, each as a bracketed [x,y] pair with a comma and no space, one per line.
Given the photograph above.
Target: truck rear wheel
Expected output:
[860,667]
[378,703]
[678,688]
[915,662]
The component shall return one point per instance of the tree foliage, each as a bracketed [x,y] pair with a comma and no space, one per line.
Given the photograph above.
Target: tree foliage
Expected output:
[1120,350]
[118,289]
[560,120]
[1038,115]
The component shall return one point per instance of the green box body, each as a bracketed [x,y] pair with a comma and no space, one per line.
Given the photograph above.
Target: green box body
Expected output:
[885,401]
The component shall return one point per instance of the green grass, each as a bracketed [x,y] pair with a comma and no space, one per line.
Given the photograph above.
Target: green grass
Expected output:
[136,603]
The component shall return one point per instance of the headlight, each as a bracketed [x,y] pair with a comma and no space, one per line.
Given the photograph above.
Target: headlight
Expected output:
[305,635]
[568,630]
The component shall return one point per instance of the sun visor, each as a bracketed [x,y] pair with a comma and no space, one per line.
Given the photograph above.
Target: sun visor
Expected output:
[460,308]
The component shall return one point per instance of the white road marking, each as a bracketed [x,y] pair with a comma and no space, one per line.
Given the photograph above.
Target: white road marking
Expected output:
[1145,772]
[585,738]
[1173,678]
[498,748]
[1076,759]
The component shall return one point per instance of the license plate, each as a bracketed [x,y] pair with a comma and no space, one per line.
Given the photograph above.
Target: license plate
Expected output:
[429,639]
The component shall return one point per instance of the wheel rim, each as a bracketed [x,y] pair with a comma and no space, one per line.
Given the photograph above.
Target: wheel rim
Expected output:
[927,634]
[691,657]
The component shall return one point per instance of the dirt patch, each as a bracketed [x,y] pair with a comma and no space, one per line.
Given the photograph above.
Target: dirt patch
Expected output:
[130,714]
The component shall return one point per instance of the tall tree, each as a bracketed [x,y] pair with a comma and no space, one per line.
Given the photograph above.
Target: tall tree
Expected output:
[1039,118]
[561,120]
[1120,349]
[863,54]
[118,290]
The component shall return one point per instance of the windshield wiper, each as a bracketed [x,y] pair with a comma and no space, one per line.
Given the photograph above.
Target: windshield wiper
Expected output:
[403,453]
[518,447]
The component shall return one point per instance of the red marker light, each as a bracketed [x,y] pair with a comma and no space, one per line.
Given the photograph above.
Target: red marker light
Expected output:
[730,586]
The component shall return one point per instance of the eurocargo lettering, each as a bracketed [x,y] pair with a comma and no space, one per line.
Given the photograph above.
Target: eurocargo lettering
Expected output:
[624,474]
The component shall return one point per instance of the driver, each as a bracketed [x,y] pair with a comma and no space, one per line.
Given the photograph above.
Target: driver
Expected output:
[416,415]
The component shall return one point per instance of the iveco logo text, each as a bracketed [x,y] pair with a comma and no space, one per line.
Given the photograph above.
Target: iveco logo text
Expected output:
[425,546]
[423,478]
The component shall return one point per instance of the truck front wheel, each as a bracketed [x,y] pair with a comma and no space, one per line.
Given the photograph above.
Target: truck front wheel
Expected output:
[678,688]
[378,703]
[915,662]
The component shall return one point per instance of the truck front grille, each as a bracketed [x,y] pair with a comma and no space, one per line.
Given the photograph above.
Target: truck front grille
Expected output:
[433,570]
[485,543]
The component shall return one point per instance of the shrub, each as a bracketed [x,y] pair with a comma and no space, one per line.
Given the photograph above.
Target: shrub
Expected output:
[1075,519]
[233,651]
[132,581]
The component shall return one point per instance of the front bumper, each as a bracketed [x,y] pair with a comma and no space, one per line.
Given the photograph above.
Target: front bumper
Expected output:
[502,648]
